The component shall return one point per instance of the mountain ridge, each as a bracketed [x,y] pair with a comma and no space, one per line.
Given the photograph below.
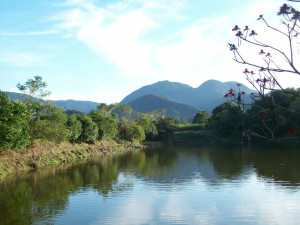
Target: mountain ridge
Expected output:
[205,97]
[179,99]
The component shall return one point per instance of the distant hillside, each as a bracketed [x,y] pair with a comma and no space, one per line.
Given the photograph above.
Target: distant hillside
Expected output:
[180,100]
[68,105]
[75,105]
[173,91]
[206,97]
[148,103]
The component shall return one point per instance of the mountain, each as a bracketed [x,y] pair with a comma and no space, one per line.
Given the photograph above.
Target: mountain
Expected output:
[148,103]
[75,105]
[173,91]
[180,100]
[68,105]
[205,97]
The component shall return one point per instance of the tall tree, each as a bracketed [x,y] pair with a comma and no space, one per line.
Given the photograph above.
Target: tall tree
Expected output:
[274,59]
[201,117]
[34,88]
[226,116]
[75,128]
[89,132]
[107,124]
[51,124]
[14,124]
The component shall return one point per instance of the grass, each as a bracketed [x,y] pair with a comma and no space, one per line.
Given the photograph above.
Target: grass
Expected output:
[46,154]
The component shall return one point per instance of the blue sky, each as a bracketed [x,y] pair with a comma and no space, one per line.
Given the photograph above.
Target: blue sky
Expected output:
[102,50]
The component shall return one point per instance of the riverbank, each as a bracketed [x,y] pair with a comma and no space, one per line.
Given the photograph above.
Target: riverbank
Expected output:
[46,154]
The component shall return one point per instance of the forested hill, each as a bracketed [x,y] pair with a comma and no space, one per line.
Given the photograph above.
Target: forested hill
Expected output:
[149,103]
[180,100]
[72,105]
[205,97]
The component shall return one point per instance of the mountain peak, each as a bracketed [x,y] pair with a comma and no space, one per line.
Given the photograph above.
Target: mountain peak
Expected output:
[208,95]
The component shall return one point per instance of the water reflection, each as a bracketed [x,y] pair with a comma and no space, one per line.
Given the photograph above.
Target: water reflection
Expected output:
[176,185]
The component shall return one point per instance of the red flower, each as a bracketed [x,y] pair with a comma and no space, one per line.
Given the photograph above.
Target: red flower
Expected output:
[261,116]
[292,131]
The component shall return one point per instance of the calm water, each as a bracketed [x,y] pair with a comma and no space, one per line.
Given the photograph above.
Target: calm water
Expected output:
[199,185]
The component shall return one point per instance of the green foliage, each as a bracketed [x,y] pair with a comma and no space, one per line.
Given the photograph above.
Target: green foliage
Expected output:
[129,130]
[75,128]
[34,88]
[14,121]
[89,132]
[201,117]
[226,116]
[123,111]
[146,121]
[166,127]
[107,124]
[191,127]
[135,133]
[274,116]
[50,125]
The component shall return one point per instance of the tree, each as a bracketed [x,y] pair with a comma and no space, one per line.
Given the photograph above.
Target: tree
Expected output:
[14,124]
[135,133]
[275,121]
[33,91]
[262,75]
[89,132]
[201,117]
[107,124]
[75,128]
[166,126]
[50,125]
[34,88]
[146,120]
[274,59]
[226,116]
[48,122]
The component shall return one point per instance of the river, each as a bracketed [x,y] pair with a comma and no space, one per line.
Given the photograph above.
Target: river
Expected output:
[176,185]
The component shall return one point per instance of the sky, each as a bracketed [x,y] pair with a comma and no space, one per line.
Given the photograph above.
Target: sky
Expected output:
[102,50]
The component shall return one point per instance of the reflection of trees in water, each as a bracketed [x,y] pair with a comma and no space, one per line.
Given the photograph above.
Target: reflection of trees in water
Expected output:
[16,203]
[29,199]
[228,163]
[278,165]
[154,164]
[281,165]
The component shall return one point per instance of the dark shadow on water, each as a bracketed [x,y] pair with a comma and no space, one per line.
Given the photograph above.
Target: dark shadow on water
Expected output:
[33,196]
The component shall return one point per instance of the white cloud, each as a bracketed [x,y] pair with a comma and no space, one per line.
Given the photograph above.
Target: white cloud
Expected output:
[124,34]
[23,59]
[156,41]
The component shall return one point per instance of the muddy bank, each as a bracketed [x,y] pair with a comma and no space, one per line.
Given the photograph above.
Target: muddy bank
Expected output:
[41,155]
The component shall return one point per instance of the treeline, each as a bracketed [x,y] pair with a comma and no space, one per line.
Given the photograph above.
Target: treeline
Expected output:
[274,116]
[22,123]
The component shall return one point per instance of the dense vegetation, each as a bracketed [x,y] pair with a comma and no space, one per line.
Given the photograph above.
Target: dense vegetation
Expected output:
[275,110]
[273,114]
[23,123]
